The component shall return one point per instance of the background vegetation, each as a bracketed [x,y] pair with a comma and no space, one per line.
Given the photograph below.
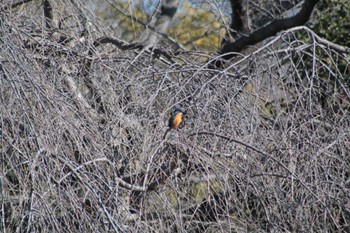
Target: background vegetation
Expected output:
[86,89]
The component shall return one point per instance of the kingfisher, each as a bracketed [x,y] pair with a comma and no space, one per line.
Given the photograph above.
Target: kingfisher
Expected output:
[174,120]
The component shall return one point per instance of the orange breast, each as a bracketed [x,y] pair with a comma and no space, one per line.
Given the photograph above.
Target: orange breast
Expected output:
[177,120]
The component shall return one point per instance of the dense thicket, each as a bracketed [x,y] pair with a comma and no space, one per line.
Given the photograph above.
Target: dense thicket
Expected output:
[264,146]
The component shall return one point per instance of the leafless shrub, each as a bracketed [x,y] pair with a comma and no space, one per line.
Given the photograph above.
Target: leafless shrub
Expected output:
[264,146]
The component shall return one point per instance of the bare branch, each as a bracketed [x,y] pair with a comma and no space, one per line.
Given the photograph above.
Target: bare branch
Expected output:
[82,125]
[14,5]
[269,30]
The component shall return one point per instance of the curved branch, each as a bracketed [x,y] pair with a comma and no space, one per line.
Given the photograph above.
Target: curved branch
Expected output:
[269,30]
[336,47]
[129,46]
[123,46]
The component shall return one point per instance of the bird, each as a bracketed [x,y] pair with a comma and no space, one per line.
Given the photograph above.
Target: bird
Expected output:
[174,120]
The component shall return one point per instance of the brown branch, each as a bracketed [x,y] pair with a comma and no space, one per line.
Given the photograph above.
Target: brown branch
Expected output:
[14,5]
[123,46]
[129,46]
[117,42]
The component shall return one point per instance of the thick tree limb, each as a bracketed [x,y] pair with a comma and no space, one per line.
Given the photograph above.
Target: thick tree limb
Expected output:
[236,18]
[236,23]
[267,31]
[48,13]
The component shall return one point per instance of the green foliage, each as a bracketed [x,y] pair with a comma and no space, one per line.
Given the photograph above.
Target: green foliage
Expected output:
[194,28]
[122,18]
[197,29]
[333,21]
[333,24]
